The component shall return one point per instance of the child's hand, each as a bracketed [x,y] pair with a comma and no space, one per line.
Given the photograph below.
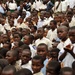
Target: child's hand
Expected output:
[69,48]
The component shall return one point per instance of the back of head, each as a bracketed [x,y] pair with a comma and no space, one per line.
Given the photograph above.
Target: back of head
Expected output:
[24,72]
[66,69]
[9,69]
[55,65]
[3,63]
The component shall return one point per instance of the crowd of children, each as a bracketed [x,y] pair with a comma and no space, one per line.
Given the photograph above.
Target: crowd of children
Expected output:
[37,37]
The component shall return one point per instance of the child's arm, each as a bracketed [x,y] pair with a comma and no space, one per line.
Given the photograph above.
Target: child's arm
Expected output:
[70,50]
[62,56]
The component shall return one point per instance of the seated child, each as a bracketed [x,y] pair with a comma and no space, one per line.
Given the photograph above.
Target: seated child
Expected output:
[53,68]
[37,64]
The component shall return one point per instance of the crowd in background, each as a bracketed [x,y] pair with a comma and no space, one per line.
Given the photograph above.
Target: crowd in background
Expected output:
[37,37]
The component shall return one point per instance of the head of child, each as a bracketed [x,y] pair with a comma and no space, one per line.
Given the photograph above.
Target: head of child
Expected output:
[11,22]
[42,50]
[9,70]
[40,32]
[53,68]
[54,54]
[24,72]
[26,56]
[62,32]
[66,71]
[53,24]
[16,37]
[27,39]
[42,15]
[69,15]
[37,64]
[33,29]
[72,34]
[12,56]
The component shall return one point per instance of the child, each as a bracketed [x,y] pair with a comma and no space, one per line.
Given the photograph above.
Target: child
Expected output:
[25,58]
[24,72]
[52,33]
[42,50]
[54,54]
[28,41]
[41,39]
[12,57]
[68,52]
[66,71]
[37,64]
[53,68]
[9,70]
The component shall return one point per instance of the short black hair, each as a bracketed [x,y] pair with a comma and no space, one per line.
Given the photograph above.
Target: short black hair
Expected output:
[65,69]
[72,28]
[43,44]
[38,57]
[24,72]
[3,63]
[8,68]
[73,65]
[55,65]
[25,47]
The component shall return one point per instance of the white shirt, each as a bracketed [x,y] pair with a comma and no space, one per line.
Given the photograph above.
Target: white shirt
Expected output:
[59,9]
[28,66]
[12,6]
[52,34]
[71,3]
[64,6]
[43,40]
[68,60]
[33,51]
[39,73]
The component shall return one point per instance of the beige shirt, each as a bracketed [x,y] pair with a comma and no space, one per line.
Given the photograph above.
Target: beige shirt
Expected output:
[39,73]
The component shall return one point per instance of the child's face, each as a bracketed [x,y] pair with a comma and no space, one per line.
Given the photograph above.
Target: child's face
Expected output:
[72,35]
[50,71]
[67,73]
[41,50]
[36,65]
[26,39]
[62,34]
[16,37]
[10,57]
[40,32]
[52,26]
[25,57]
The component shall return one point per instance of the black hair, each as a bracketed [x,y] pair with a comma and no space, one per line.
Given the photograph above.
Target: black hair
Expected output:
[65,69]
[73,65]
[70,12]
[9,68]
[43,44]
[18,34]
[55,50]
[34,27]
[25,47]
[15,53]
[65,28]
[38,57]
[3,63]
[3,52]
[55,65]
[24,72]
